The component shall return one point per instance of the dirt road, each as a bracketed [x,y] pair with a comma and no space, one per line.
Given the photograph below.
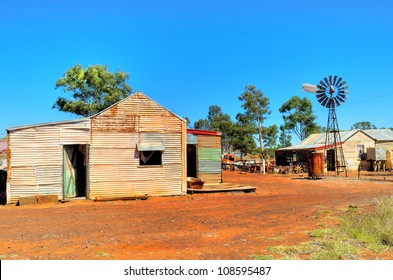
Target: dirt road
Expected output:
[282,211]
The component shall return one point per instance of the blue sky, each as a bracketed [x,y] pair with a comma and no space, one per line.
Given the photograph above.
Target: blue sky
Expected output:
[188,55]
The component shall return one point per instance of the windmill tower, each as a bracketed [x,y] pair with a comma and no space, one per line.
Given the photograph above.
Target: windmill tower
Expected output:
[331,92]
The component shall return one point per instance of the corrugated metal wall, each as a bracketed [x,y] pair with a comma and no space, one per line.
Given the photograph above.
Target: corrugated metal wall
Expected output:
[35,157]
[114,160]
[209,158]
[350,148]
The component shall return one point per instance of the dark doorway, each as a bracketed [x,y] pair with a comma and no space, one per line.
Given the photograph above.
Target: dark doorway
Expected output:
[3,186]
[331,160]
[75,170]
[192,160]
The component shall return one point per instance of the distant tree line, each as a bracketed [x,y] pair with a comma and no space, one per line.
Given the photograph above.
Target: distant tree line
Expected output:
[95,88]
[249,135]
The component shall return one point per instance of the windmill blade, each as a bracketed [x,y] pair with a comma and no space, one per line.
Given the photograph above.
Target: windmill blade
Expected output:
[343,91]
[319,91]
[323,84]
[334,80]
[321,87]
[337,102]
[341,84]
[338,81]
[321,98]
[327,82]
[340,98]
[330,80]
[321,95]
[323,101]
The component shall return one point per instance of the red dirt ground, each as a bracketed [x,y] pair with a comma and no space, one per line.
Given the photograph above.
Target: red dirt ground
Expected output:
[225,226]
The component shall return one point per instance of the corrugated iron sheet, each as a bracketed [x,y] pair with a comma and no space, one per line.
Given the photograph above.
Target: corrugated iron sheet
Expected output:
[210,166]
[114,159]
[113,168]
[213,154]
[380,135]
[192,139]
[210,178]
[207,141]
[36,157]
[209,158]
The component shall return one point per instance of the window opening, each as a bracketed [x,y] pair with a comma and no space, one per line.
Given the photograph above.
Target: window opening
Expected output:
[150,158]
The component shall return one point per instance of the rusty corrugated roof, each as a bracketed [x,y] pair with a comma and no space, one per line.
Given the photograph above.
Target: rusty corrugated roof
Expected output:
[317,140]
[3,145]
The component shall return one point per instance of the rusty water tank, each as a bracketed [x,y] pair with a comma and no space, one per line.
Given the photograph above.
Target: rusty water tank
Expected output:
[315,165]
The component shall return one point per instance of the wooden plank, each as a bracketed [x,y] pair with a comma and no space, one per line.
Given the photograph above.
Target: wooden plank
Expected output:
[224,187]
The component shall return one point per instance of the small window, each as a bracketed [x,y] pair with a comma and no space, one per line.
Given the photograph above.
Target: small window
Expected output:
[361,153]
[150,154]
[150,158]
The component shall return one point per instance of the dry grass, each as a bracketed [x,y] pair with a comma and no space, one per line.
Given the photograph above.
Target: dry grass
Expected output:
[360,229]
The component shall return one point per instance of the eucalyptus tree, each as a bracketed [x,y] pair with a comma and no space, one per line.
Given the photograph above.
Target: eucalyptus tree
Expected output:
[285,137]
[93,89]
[256,107]
[217,120]
[363,125]
[298,117]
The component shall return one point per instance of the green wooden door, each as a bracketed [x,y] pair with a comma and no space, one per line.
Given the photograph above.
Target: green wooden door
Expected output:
[69,182]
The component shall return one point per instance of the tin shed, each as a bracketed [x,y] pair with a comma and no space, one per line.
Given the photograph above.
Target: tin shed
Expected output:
[37,157]
[138,148]
[134,148]
[355,143]
[204,155]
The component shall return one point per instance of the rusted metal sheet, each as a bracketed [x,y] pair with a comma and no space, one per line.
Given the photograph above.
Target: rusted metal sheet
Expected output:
[206,141]
[210,166]
[112,161]
[210,178]
[35,161]
[209,154]
[115,135]
[209,158]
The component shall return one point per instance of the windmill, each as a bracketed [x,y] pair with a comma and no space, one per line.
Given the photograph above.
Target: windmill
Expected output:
[331,92]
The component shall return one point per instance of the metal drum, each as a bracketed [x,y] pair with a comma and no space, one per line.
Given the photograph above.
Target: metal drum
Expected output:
[315,165]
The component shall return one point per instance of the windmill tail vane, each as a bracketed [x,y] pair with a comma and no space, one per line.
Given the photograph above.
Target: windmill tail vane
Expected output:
[309,88]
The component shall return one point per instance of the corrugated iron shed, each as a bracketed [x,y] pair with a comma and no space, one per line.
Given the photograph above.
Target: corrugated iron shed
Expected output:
[208,159]
[35,158]
[354,142]
[317,140]
[380,135]
[116,134]
[98,157]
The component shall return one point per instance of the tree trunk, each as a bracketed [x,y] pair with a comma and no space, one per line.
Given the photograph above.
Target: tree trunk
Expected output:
[260,139]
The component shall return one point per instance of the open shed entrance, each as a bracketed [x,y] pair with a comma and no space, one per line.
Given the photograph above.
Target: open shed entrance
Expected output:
[75,159]
[331,160]
[191,160]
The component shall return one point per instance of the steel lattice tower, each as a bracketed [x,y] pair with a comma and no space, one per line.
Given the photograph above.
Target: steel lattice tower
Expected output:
[334,154]
[331,92]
